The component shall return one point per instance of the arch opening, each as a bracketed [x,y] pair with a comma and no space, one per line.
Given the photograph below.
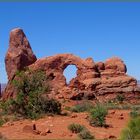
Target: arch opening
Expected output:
[70,72]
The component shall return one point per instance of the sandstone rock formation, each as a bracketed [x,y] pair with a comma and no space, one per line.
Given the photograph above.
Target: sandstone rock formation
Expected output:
[100,81]
[19,54]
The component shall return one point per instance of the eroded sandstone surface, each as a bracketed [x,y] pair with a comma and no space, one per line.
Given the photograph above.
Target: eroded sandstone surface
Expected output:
[100,81]
[19,54]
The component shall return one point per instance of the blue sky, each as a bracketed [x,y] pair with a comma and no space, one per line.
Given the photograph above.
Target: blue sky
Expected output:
[97,30]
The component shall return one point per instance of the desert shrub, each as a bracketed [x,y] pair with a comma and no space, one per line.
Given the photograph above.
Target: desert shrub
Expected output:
[28,81]
[82,107]
[117,106]
[120,97]
[97,115]
[137,107]
[31,100]
[132,131]
[68,108]
[75,128]
[134,113]
[4,105]
[2,121]
[44,106]
[85,134]
[50,106]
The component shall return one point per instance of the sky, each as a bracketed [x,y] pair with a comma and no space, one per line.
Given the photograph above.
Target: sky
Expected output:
[86,29]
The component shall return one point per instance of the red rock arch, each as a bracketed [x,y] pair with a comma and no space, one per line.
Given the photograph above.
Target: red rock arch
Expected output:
[55,65]
[103,80]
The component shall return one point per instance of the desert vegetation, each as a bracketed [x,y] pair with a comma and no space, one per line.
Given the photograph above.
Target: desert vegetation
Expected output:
[84,106]
[97,115]
[132,131]
[82,131]
[31,102]
[76,128]
[86,134]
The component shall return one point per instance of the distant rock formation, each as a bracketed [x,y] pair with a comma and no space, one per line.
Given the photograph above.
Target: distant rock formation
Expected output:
[19,54]
[100,81]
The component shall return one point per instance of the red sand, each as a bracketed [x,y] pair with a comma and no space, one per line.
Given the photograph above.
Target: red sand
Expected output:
[58,126]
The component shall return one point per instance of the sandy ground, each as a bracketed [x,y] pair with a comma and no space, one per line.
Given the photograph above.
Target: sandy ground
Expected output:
[117,119]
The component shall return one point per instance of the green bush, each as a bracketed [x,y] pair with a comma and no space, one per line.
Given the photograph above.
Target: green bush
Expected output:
[85,134]
[97,116]
[44,106]
[82,107]
[31,100]
[2,121]
[5,105]
[132,131]
[75,128]
[50,106]
[134,113]
[68,108]
[120,97]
